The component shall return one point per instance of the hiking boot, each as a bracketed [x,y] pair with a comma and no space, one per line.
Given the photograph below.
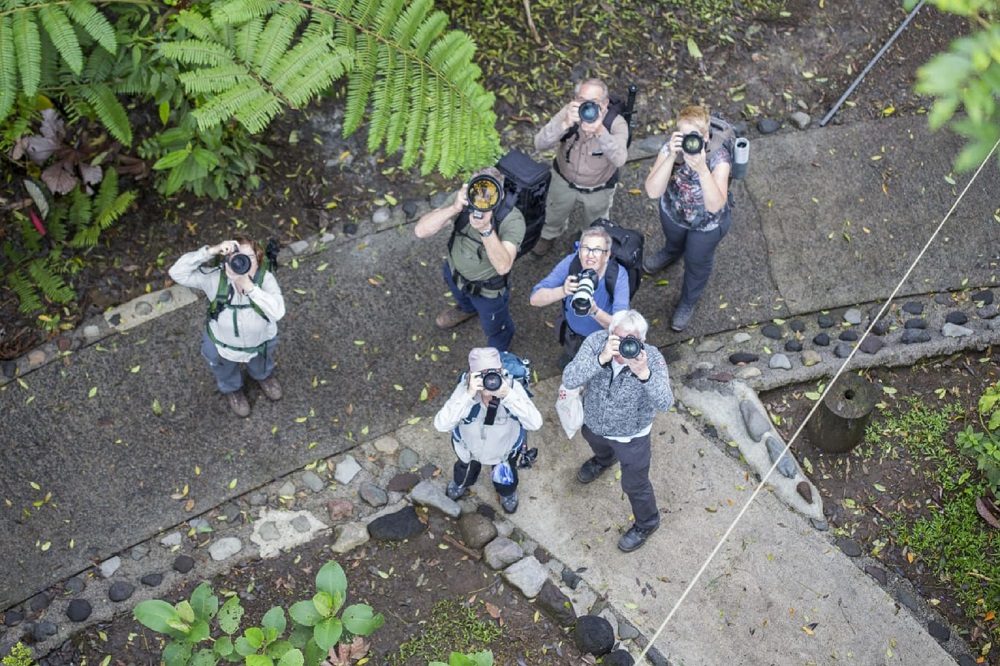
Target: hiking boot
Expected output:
[657,262]
[542,247]
[682,316]
[452,317]
[454,491]
[635,537]
[238,403]
[271,388]
[509,503]
[590,470]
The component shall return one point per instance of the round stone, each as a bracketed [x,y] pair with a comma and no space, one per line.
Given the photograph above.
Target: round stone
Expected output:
[183,564]
[79,610]
[142,308]
[849,336]
[849,546]
[151,579]
[741,337]
[768,126]
[43,630]
[881,327]
[915,323]
[821,339]
[742,357]
[984,297]
[913,308]
[825,321]
[74,585]
[39,602]
[957,317]
[914,336]
[779,362]
[793,346]
[842,350]
[381,215]
[350,228]
[939,631]
[594,635]
[12,618]
[797,325]
[771,331]
[810,358]
[853,316]
[120,590]
[871,345]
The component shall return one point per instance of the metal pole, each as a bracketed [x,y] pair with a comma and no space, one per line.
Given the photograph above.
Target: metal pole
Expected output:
[885,47]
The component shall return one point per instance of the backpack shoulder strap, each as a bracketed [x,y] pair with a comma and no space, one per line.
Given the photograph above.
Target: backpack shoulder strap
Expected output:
[611,277]
[217,304]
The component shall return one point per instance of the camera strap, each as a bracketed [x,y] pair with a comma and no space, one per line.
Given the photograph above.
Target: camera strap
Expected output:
[491,411]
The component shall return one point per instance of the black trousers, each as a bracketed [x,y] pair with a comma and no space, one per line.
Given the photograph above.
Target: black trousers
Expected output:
[571,343]
[634,458]
[467,473]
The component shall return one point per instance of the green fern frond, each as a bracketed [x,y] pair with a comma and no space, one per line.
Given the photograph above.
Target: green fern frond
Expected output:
[361,83]
[197,25]
[109,111]
[381,104]
[93,23]
[8,64]
[276,37]
[429,30]
[195,52]
[241,11]
[50,282]
[28,49]
[27,293]
[317,78]
[55,224]
[214,79]
[60,31]
[406,27]
[80,209]
[246,39]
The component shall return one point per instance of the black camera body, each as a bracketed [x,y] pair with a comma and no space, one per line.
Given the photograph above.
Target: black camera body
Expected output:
[630,346]
[583,297]
[692,143]
[589,111]
[239,263]
[492,379]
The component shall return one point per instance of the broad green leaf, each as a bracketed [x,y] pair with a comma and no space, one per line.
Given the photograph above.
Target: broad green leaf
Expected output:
[361,619]
[243,647]
[292,658]
[277,649]
[230,615]
[304,612]
[300,635]
[199,631]
[327,633]
[332,580]
[204,602]
[259,660]
[223,646]
[254,636]
[323,602]
[186,611]
[204,657]
[314,653]
[155,614]
[176,653]
[275,619]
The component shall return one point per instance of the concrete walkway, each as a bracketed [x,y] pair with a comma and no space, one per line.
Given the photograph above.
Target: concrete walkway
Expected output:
[359,347]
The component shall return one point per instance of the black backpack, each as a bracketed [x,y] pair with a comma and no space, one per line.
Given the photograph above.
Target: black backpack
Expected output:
[626,254]
[525,184]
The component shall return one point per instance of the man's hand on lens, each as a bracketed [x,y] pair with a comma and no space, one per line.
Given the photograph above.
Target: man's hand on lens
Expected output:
[610,349]
[572,114]
[461,199]
[639,365]
[475,383]
[570,285]
[482,224]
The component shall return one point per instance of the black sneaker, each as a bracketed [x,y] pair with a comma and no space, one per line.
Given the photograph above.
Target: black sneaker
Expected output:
[509,503]
[682,316]
[657,262]
[590,470]
[635,537]
[454,491]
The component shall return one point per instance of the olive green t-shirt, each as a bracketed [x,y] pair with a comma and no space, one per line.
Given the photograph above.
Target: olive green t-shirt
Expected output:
[468,256]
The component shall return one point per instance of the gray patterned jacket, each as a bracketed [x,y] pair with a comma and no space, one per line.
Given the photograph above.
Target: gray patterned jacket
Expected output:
[618,406]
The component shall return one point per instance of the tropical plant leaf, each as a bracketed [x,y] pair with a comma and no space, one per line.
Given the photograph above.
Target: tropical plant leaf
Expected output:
[110,111]
[93,23]
[28,49]
[60,31]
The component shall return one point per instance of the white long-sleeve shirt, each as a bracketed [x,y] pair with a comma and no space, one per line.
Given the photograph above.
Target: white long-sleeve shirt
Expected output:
[253,329]
[487,444]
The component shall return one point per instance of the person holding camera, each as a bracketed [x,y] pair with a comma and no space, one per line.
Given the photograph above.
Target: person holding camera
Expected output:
[242,326]
[626,385]
[590,296]
[488,416]
[481,252]
[590,146]
[695,212]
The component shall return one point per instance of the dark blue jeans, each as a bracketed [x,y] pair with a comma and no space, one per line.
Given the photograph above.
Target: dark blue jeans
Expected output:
[698,250]
[494,313]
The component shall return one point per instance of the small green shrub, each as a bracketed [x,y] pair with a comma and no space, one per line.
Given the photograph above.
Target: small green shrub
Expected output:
[452,626]
[316,632]
[20,655]
[484,658]
[984,447]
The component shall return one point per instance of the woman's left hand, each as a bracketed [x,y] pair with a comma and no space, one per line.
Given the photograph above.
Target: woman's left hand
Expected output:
[698,161]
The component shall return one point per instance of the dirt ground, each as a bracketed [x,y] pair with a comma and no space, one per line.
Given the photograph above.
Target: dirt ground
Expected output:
[883,483]
[403,581]
[768,66]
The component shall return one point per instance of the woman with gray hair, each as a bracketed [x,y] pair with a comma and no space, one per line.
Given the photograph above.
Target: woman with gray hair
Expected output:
[627,384]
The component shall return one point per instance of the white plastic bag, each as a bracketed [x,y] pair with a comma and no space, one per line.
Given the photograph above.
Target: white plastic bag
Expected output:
[569,407]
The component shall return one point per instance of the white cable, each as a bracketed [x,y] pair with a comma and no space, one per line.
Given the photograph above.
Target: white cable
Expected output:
[826,390]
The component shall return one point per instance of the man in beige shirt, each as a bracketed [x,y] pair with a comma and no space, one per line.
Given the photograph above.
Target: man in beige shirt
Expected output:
[588,154]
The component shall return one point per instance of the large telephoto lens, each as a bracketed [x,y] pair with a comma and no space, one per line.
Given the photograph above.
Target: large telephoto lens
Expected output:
[583,297]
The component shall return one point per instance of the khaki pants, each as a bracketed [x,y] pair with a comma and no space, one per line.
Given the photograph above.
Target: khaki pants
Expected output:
[560,201]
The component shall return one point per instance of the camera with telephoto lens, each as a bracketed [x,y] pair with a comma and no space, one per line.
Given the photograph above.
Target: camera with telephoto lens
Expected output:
[692,143]
[583,297]
[630,347]
[492,379]
[239,263]
[589,111]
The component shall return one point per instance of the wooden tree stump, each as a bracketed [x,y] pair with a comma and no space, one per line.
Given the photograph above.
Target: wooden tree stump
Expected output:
[839,423]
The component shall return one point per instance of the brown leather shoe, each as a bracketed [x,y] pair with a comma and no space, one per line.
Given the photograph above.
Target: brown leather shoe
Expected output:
[271,388]
[452,317]
[238,403]
[542,247]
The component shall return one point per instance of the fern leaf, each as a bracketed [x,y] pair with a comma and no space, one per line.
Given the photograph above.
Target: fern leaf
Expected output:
[110,111]
[93,23]
[60,31]
[195,52]
[224,106]
[241,11]
[360,85]
[28,47]
[408,24]
[276,37]
[381,106]
[246,39]
[317,78]
[306,53]
[27,294]
[197,25]
[50,282]
[397,121]
[214,79]
[258,112]
[415,119]
[429,30]
[8,72]
[80,209]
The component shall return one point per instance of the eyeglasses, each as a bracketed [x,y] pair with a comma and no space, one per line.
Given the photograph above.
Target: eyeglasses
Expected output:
[592,251]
